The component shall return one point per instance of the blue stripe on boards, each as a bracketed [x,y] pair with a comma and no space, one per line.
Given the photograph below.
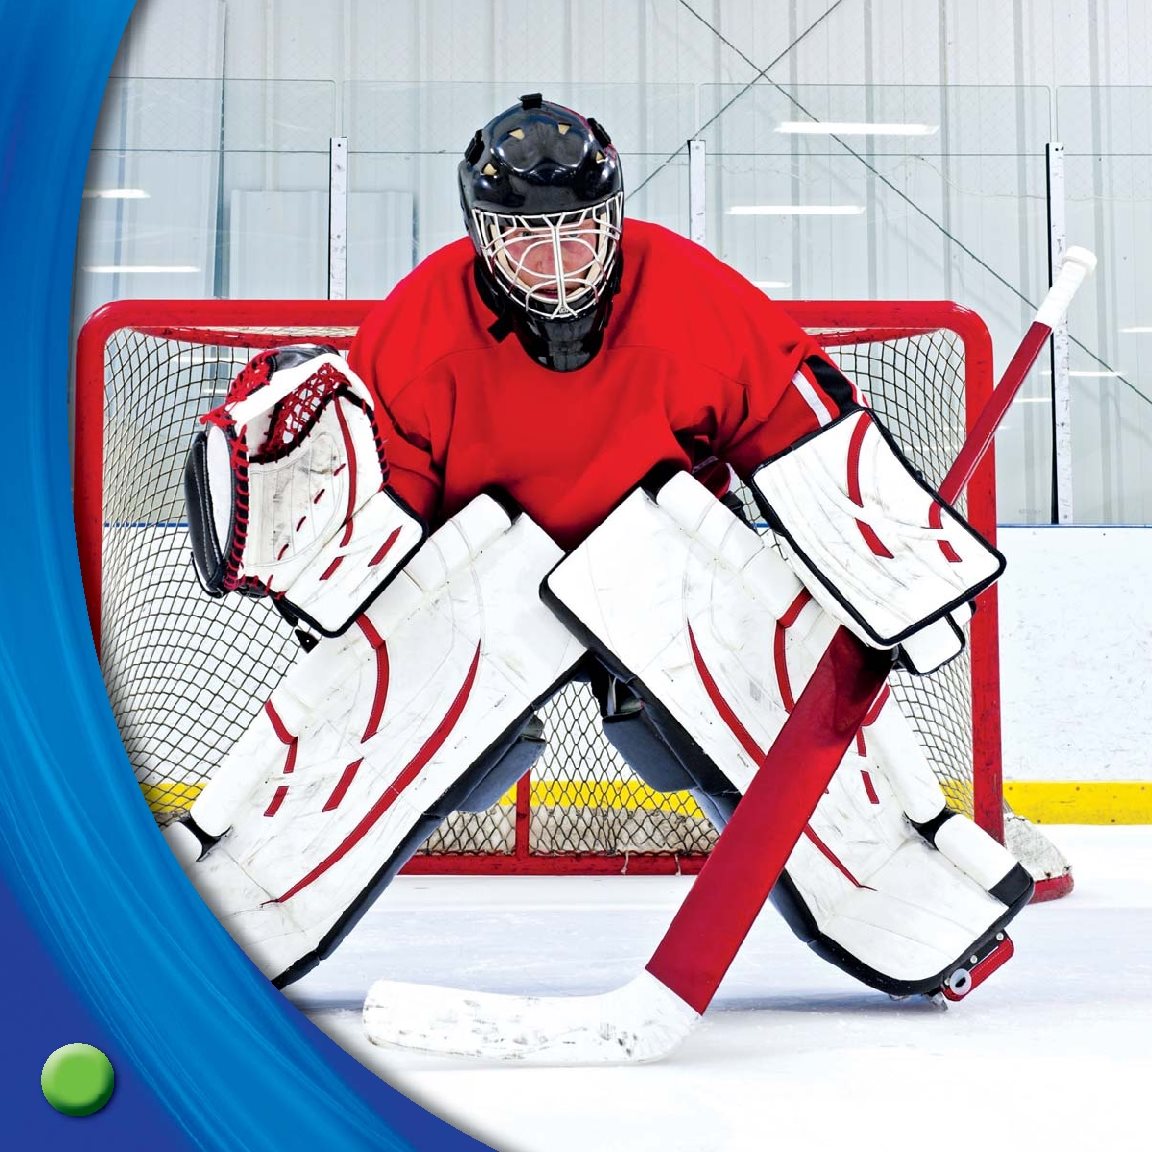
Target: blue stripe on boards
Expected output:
[103,940]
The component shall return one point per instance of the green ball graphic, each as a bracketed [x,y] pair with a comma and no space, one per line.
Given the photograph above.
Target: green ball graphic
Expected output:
[77,1080]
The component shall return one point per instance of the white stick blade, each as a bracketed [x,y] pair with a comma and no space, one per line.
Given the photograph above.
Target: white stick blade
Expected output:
[640,1022]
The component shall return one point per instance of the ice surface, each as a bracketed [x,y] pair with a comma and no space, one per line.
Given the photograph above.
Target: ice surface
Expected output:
[1053,1053]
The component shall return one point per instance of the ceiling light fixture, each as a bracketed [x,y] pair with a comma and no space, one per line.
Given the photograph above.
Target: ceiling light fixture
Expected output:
[148,268]
[115,194]
[853,128]
[796,210]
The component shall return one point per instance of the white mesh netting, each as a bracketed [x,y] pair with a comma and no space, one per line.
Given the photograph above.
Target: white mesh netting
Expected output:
[186,673]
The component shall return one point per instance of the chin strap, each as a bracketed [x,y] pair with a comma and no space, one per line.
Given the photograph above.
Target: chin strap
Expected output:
[501,327]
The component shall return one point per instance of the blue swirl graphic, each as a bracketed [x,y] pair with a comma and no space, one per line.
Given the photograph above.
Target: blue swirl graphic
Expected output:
[103,941]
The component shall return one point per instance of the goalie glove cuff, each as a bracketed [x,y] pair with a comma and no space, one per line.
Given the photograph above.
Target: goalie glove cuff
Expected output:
[286,494]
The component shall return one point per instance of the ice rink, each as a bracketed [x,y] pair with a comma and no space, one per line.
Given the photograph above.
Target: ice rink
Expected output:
[1053,1053]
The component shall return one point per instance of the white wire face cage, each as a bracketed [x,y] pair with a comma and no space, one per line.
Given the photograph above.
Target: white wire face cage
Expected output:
[557,265]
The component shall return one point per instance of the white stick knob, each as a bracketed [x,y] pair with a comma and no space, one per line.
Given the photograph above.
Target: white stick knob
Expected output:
[1077,266]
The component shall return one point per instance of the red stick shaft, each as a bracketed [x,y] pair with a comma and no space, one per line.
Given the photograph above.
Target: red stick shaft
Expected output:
[969,457]
[730,890]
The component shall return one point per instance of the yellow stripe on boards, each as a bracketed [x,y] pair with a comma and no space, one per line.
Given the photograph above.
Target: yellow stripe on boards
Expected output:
[630,794]
[174,797]
[1042,801]
[170,796]
[1081,802]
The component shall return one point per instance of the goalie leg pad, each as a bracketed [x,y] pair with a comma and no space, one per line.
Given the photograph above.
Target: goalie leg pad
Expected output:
[870,892]
[370,737]
[718,637]
[675,597]
[286,491]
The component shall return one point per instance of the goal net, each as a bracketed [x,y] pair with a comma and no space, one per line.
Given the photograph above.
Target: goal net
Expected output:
[185,674]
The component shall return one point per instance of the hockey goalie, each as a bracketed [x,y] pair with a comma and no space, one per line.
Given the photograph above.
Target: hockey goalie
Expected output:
[521,475]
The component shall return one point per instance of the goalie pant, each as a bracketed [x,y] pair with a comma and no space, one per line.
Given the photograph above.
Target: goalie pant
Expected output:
[424,707]
[716,637]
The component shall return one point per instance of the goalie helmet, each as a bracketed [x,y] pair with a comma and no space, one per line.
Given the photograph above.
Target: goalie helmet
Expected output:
[542,195]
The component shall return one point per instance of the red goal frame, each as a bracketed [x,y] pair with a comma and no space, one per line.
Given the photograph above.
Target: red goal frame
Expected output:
[872,320]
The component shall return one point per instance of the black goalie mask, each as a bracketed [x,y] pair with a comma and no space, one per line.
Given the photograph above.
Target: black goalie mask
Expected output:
[543,199]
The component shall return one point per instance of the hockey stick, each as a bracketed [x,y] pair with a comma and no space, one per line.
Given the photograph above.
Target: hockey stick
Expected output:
[647,1018]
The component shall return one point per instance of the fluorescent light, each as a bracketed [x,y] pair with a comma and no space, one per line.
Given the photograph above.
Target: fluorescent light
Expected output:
[111,268]
[1138,328]
[850,128]
[1085,372]
[796,210]
[115,194]
[772,283]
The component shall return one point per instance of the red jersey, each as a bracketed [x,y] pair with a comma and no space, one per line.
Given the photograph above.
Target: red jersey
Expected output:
[696,362]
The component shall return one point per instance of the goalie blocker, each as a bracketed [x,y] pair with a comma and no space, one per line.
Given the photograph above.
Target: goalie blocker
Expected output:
[286,491]
[873,542]
[716,636]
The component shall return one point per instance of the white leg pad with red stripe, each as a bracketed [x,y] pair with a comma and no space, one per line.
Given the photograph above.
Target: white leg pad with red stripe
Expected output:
[720,638]
[368,731]
[874,896]
[873,542]
[693,605]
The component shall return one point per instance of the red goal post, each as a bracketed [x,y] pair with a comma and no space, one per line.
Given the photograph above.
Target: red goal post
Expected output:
[184,673]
